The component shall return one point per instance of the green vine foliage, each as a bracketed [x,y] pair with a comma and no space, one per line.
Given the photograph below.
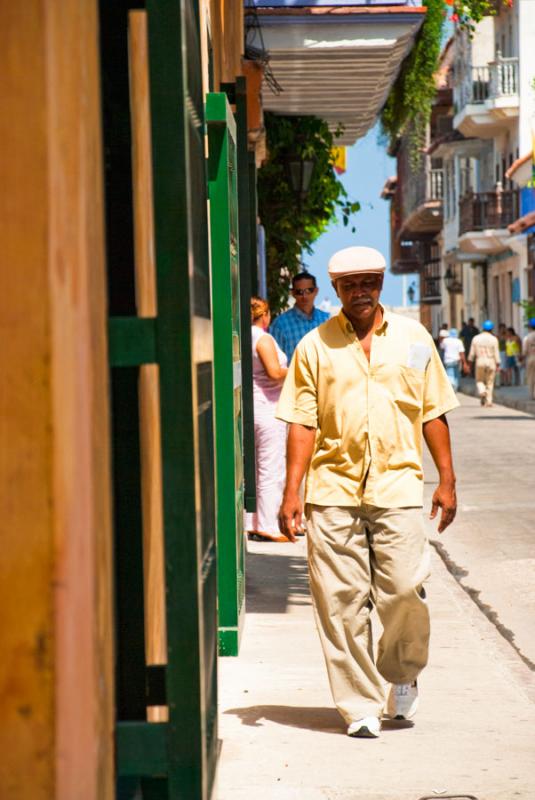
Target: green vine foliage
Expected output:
[412,94]
[408,106]
[292,226]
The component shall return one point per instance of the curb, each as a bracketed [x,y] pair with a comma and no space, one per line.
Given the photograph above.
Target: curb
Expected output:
[501,397]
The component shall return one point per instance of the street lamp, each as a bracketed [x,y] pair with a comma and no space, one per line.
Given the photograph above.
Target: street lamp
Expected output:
[300,174]
[453,284]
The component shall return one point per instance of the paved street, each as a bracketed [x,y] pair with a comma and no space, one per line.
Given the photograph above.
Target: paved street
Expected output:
[491,547]
[281,737]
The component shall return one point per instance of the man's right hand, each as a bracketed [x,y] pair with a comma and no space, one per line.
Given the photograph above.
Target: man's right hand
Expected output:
[290,515]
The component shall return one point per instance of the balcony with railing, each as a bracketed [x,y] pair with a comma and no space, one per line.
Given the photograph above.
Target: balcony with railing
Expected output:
[408,257]
[430,283]
[487,95]
[483,220]
[422,192]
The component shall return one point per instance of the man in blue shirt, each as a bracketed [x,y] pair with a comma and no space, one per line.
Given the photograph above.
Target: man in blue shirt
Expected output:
[289,328]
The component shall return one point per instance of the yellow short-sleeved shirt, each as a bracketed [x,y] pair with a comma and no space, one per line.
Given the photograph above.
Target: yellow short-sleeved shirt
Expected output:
[368,416]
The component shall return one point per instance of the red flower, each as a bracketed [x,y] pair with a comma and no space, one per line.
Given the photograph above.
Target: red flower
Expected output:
[454,18]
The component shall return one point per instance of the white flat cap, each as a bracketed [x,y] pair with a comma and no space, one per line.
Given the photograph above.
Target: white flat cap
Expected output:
[353,260]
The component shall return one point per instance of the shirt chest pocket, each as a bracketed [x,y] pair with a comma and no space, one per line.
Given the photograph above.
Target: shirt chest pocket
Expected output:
[408,389]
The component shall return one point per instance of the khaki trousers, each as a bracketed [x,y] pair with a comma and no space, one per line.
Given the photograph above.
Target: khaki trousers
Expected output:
[485,375]
[359,557]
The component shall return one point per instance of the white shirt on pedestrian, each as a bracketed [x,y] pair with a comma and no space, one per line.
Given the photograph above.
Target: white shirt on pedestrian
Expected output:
[452,347]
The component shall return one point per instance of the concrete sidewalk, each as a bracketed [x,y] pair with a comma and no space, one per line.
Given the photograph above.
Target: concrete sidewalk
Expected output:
[511,396]
[283,740]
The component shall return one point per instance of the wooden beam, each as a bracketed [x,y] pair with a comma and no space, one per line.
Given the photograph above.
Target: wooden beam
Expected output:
[149,379]
[55,573]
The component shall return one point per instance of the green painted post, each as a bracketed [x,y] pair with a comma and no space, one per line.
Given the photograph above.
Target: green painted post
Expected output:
[177,759]
[222,183]
[246,234]
[185,359]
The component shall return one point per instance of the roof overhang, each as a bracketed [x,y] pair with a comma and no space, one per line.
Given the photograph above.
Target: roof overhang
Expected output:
[520,170]
[523,224]
[423,220]
[335,61]
[389,189]
[485,243]
[457,256]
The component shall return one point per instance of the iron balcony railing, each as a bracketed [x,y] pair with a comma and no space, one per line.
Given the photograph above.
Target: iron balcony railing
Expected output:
[408,258]
[498,79]
[424,186]
[488,210]
[430,282]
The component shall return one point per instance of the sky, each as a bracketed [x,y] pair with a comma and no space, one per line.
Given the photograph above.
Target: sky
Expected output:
[368,167]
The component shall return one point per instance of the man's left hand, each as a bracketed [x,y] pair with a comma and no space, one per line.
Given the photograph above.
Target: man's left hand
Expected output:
[444,498]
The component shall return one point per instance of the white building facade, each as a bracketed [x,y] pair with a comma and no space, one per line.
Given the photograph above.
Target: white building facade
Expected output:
[485,265]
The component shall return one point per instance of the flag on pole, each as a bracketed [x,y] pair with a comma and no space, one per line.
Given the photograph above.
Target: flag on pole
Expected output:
[339,160]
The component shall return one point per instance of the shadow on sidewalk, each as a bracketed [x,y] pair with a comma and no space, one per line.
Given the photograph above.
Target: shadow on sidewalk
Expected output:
[310,718]
[275,581]
[327,720]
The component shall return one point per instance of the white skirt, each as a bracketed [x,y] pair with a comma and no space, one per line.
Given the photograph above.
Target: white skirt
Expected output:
[270,447]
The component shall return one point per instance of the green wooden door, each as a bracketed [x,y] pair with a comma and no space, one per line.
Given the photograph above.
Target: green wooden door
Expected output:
[222,182]
[176,758]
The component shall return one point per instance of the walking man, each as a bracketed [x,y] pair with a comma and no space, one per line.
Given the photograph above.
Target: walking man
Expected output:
[453,357]
[362,391]
[289,328]
[468,331]
[528,353]
[485,352]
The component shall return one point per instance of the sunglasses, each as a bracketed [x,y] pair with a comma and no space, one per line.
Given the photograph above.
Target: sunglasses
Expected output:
[301,292]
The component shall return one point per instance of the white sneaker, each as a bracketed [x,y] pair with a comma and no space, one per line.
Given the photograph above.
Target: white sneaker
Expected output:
[402,700]
[365,728]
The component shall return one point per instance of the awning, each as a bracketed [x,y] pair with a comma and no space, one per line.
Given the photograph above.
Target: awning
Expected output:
[335,61]
[522,223]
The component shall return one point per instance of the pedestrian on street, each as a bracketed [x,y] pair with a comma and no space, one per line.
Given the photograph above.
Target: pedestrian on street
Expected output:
[502,335]
[269,371]
[442,336]
[468,331]
[528,354]
[453,357]
[485,353]
[513,350]
[362,392]
[289,328]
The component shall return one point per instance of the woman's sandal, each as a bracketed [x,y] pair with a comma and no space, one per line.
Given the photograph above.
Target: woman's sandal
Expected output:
[254,536]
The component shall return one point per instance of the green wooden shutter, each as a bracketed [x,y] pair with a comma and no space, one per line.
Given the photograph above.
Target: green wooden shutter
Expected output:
[222,182]
[174,759]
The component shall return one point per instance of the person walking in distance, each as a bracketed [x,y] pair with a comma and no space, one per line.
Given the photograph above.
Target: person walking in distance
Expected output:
[289,328]
[468,331]
[453,357]
[269,371]
[513,351]
[484,351]
[362,392]
[502,373]
[528,354]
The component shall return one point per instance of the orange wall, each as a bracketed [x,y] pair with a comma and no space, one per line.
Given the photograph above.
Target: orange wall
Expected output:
[56,686]
[226,18]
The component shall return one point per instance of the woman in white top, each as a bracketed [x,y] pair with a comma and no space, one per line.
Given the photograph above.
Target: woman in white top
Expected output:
[269,371]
